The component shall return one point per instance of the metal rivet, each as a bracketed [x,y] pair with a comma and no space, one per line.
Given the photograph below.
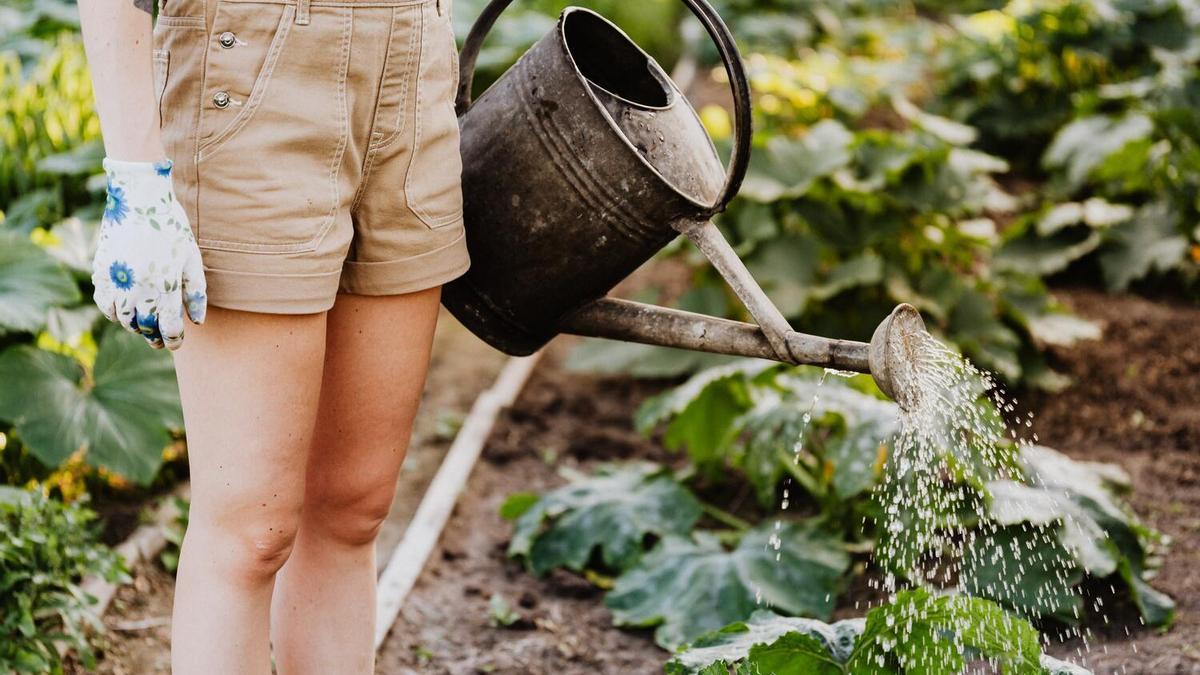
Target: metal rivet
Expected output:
[227,39]
[221,99]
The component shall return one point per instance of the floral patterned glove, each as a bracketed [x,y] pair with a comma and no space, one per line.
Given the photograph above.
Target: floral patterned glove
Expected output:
[147,267]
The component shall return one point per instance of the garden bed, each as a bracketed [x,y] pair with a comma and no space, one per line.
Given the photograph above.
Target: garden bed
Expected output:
[1134,403]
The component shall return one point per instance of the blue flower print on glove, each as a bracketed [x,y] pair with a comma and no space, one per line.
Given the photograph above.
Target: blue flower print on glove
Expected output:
[147,270]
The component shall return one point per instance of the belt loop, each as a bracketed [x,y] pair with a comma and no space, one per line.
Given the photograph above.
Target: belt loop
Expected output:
[302,12]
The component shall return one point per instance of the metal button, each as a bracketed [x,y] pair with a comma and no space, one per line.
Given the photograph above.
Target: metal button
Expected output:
[227,39]
[221,99]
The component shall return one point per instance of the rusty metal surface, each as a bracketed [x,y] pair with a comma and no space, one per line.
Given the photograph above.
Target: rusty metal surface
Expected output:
[637,322]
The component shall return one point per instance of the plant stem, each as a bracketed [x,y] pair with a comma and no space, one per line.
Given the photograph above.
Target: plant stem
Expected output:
[805,480]
[725,518]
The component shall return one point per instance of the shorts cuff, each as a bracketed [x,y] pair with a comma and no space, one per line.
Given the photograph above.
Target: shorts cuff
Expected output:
[408,275]
[272,293]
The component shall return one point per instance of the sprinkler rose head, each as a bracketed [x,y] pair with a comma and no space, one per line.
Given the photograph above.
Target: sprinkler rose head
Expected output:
[894,355]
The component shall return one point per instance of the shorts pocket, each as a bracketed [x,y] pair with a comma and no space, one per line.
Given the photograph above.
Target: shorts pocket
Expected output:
[269,178]
[243,50]
[433,186]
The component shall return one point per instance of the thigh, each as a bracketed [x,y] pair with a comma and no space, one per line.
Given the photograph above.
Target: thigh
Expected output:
[250,385]
[377,355]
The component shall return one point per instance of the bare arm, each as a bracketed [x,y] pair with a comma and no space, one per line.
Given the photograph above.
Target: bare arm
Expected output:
[117,38]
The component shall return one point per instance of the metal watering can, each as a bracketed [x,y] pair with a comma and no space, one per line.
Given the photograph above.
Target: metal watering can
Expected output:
[579,164]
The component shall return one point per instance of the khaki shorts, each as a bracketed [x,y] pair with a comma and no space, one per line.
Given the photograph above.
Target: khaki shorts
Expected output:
[315,146]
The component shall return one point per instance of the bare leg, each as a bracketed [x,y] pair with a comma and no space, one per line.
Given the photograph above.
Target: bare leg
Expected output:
[324,607]
[250,385]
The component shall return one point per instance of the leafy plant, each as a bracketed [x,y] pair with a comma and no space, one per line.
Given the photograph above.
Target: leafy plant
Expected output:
[612,512]
[118,410]
[688,586]
[831,439]
[918,632]
[1094,533]
[46,548]
[174,532]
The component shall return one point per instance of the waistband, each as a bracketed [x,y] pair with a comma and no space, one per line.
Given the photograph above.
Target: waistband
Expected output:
[206,8]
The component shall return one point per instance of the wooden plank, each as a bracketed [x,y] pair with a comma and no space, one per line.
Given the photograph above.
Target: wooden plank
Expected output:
[146,542]
[421,536]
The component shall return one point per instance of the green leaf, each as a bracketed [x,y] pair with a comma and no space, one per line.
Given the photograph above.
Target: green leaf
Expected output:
[785,644]
[73,243]
[517,504]
[1082,145]
[922,633]
[31,282]
[1047,255]
[698,392]
[122,417]
[689,586]
[613,511]
[1149,242]
[84,158]
[1024,568]
[787,270]
[787,167]
[1077,499]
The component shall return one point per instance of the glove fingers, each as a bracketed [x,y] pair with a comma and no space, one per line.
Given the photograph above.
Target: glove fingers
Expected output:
[195,289]
[103,298]
[147,322]
[170,319]
[126,313]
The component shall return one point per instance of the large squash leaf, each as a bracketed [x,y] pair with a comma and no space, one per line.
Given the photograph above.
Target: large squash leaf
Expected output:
[1024,568]
[120,412]
[917,632]
[31,282]
[920,632]
[688,586]
[612,511]
[1095,530]
[787,167]
[811,646]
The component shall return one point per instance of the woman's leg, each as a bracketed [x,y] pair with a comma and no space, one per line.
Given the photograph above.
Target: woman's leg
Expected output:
[250,385]
[376,358]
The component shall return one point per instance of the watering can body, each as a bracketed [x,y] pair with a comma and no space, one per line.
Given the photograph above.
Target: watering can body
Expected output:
[576,163]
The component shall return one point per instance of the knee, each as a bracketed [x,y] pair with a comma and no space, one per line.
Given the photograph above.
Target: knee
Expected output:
[249,549]
[348,515]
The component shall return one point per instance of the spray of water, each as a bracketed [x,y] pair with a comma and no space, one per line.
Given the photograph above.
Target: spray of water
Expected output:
[934,528]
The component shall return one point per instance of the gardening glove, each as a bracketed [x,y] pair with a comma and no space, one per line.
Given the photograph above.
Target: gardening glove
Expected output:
[147,268]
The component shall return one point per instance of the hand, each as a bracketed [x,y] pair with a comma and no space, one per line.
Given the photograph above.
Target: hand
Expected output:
[147,269]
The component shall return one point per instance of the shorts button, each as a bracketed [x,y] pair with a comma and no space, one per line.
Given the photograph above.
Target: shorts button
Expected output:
[221,99]
[227,39]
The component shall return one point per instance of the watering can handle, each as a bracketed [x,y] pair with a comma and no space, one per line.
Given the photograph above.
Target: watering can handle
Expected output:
[726,46]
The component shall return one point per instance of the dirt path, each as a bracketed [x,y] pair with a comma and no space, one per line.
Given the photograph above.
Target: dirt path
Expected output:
[1136,403]
[462,366]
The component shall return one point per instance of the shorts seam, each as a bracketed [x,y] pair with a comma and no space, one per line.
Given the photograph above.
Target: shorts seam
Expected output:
[184,22]
[283,275]
[335,167]
[413,53]
[364,264]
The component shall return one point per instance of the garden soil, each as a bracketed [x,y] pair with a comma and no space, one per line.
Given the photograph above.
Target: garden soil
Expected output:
[1135,401]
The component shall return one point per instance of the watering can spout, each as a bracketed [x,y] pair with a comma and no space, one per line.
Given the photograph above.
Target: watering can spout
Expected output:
[890,358]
